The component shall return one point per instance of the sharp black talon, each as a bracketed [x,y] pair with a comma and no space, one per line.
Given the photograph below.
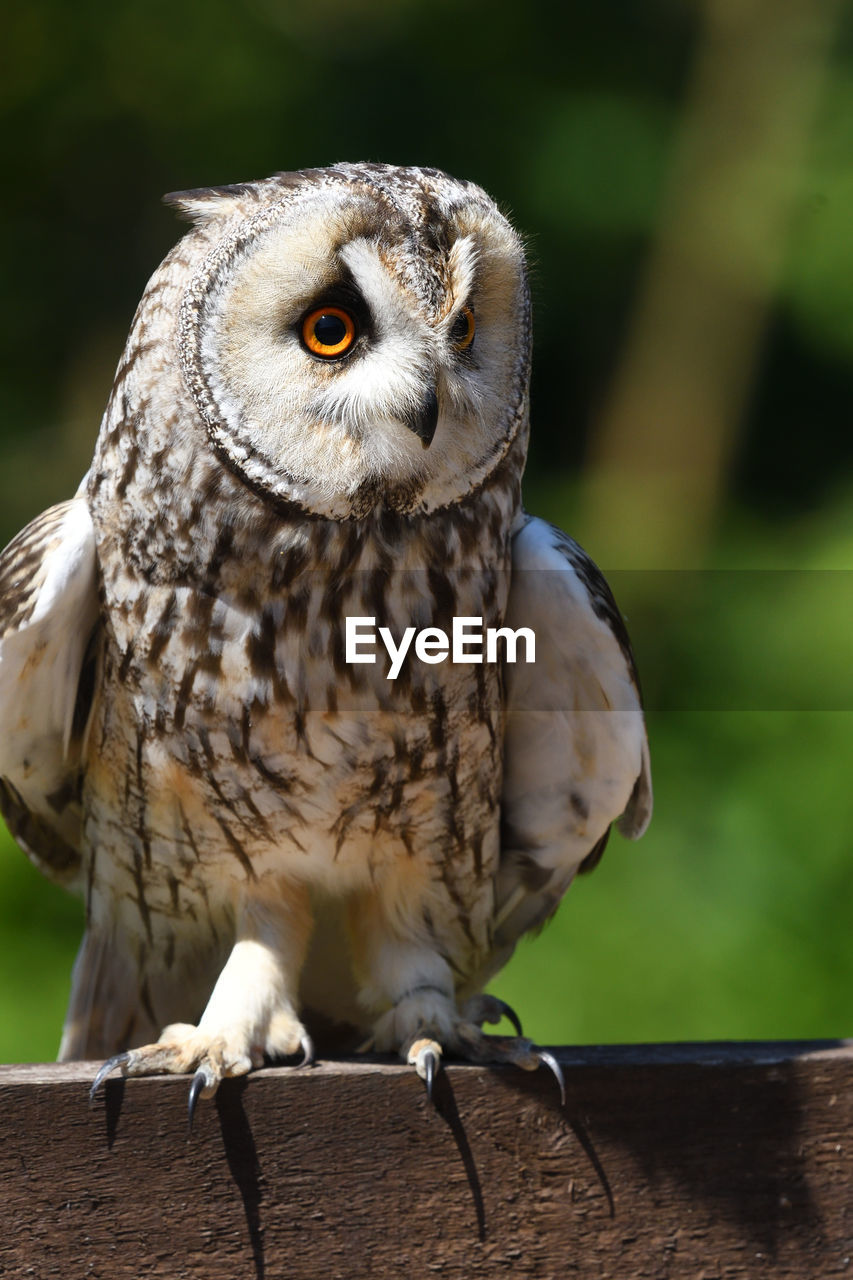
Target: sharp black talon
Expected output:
[511,1016]
[117,1060]
[548,1060]
[198,1083]
[430,1065]
[307,1045]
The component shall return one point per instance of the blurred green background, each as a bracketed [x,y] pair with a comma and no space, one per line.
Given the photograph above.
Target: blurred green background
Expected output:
[683,175]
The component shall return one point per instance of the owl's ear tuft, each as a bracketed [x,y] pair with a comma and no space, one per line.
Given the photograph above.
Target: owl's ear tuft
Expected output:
[206,203]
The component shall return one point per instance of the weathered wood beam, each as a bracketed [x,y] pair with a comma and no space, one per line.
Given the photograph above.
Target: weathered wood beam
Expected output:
[718,1161]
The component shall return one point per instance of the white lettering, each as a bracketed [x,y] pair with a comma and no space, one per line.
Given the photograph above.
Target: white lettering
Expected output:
[511,637]
[462,637]
[354,638]
[432,645]
[394,653]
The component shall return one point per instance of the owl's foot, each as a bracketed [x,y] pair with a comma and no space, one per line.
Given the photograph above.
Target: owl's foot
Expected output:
[427,1025]
[212,1056]
[425,1054]
[252,1011]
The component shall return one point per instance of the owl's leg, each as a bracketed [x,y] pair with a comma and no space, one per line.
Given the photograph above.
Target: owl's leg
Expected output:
[410,988]
[405,984]
[252,1010]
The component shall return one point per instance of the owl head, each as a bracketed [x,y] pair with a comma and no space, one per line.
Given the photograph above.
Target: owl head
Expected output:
[355,335]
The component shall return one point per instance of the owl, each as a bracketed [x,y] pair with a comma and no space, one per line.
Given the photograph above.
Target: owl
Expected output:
[320,421]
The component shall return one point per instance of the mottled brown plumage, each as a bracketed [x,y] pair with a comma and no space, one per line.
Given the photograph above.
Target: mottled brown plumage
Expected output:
[272,838]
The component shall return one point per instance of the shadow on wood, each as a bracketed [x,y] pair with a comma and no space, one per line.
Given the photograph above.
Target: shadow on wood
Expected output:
[683,1160]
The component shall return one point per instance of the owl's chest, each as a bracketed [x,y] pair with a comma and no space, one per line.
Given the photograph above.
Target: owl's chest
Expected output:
[319,734]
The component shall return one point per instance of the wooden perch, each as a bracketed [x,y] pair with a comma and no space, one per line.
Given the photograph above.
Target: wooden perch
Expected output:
[713,1161]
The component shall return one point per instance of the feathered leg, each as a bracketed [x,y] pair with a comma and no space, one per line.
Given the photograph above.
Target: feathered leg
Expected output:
[252,1010]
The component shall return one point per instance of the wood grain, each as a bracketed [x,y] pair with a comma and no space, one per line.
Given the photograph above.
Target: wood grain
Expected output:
[713,1162]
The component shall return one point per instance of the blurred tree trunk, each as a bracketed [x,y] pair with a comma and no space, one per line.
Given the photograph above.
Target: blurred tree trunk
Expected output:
[661,449]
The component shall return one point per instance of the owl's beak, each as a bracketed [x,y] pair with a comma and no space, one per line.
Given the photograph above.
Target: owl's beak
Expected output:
[425,419]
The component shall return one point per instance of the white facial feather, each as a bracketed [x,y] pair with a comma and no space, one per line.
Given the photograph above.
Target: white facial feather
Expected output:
[320,431]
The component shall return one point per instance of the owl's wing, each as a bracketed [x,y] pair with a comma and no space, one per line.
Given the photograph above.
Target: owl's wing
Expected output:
[575,749]
[48,639]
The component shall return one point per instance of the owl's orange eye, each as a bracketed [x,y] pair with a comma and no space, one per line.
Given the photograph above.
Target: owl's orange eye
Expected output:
[328,332]
[463,329]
